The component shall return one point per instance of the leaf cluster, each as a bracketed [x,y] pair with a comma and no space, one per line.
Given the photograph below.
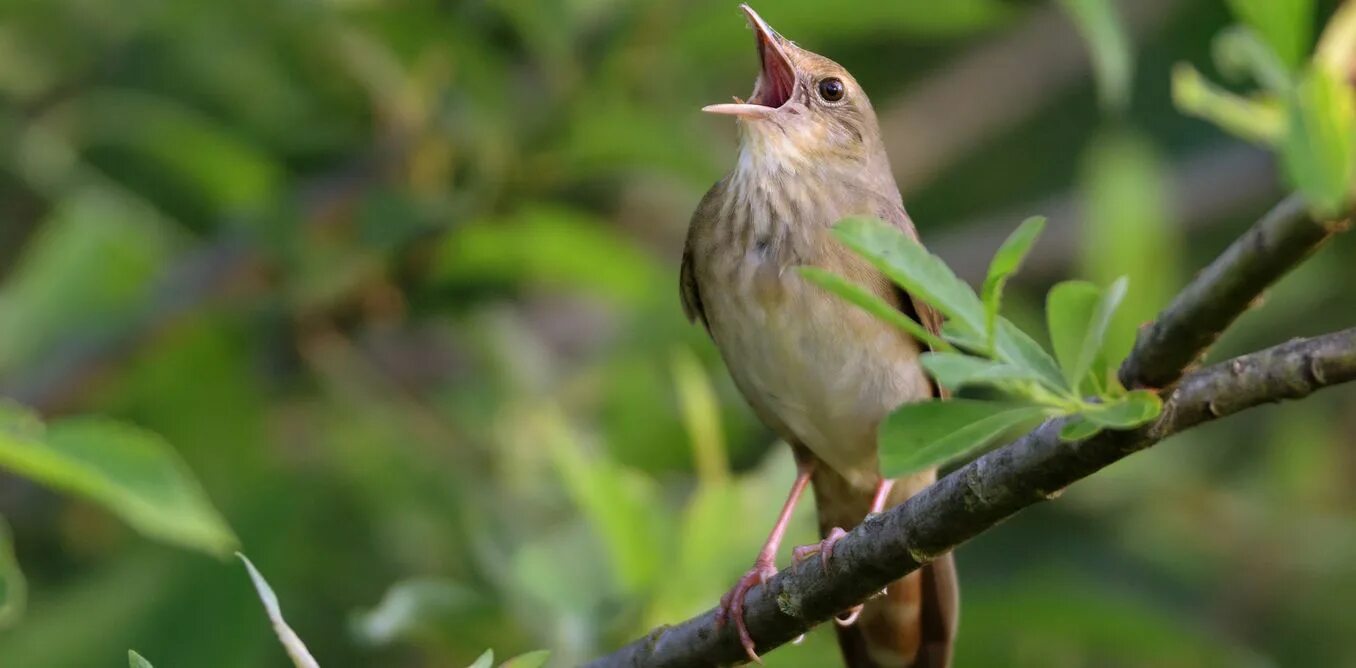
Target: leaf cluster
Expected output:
[979,349]
[1303,108]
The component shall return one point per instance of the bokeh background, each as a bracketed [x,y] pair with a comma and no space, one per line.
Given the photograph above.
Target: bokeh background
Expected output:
[398,280]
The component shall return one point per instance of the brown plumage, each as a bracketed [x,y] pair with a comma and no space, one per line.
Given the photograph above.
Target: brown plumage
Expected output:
[818,371]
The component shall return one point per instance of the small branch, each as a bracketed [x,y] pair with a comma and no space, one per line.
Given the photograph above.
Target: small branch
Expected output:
[977,496]
[1222,292]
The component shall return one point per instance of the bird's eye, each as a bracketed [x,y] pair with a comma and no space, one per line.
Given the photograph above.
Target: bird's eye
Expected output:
[831,89]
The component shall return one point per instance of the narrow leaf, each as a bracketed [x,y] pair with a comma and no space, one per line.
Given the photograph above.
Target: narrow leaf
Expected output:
[411,606]
[1078,429]
[1095,336]
[301,657]
[486,660]
[1259,122]
[973,342]
[924,435]
[1285,25]
[860,297]
[1319,152]
[956,370]
[1127,412]
[907,263]
[535,659]
[1241,53]
[1110,46]
[132,472]
[1127,199]
[1017,347]
[1069,307]
[135,660]
[617,501]
[701,417]
[13,586]
[1005,263]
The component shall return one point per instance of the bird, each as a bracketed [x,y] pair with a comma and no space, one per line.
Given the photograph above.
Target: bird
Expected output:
[819,372]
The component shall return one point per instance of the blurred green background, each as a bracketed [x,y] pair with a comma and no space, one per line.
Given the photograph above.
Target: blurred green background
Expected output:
[398,280]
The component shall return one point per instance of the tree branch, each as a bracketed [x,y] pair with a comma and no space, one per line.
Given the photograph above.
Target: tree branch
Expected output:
[1222,292]
[1039,465]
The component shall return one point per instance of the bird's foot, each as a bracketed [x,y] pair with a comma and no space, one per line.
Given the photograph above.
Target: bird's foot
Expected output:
[732,603]
[823,548]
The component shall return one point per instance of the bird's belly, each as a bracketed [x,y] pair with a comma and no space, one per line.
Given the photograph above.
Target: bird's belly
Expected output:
[818,370]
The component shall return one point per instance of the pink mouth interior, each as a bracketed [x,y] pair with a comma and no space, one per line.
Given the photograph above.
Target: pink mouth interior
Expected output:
[777,80]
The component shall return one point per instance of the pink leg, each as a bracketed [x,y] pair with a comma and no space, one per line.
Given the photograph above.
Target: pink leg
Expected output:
[882,493]
[764,567]
[825,547]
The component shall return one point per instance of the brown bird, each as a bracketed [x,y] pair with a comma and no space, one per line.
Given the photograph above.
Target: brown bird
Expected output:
[820,372]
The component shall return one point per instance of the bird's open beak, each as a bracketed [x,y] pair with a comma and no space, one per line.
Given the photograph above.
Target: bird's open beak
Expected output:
[776,81]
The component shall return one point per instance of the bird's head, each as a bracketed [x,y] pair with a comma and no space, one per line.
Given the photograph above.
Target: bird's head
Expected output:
[804,108]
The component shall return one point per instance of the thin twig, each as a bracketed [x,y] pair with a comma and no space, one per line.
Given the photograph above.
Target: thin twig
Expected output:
[1222,292]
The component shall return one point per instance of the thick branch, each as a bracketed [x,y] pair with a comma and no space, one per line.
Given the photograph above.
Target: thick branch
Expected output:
[981,494]
[1222,292]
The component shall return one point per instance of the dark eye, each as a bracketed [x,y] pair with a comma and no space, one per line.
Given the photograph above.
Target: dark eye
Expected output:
[831,89]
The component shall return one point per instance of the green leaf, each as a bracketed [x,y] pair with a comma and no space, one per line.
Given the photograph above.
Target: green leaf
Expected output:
[1258,121]
[924,435]
[486,660]
[972,341]
[535,659]
[1319,152]
[1126,412]
[94,261]
[707,542]
[860,297]
[1128,207]
[550,246]
[956,370]
[1005,263]
[135,660]
[1078,429]
[701,417]
[1241,53]
[411,606]
[13,586]
[132,472]
[619,504]
[907,263]
[1110,46]
[296,650]
[534,568]
[1078,315]
[1095,338]
[1017,347]
[1285,25]
[223,164]
[1069,308]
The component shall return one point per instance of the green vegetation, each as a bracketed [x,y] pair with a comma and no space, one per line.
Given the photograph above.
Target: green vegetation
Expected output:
[383,295]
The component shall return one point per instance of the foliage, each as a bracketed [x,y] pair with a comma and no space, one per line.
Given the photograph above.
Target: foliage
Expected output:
[380,274]
[1304,110]
[129,471]
[982,349]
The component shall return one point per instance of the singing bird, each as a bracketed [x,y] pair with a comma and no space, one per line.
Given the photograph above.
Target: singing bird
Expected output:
[818,371]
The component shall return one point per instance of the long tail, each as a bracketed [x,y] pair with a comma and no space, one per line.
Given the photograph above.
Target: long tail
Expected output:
[914,624]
